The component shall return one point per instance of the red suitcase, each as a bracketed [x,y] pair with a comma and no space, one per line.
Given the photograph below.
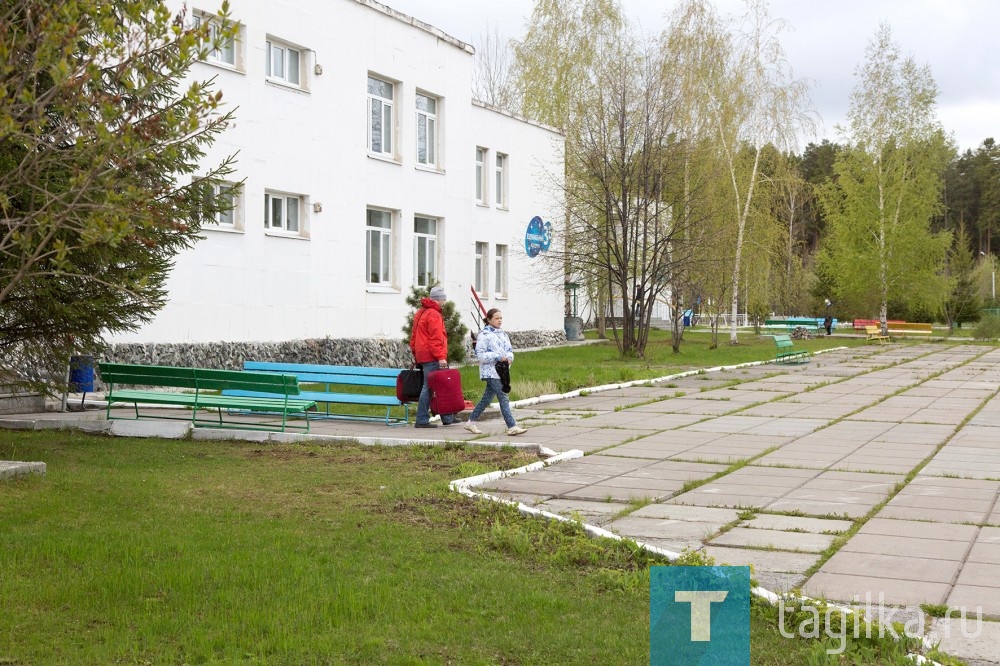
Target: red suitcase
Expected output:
[446,391]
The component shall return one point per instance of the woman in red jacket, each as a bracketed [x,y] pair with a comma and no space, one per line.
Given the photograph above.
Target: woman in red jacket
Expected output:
[429,343]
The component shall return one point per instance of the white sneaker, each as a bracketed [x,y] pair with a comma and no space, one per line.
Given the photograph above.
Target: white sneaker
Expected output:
[471,427]
[516,430]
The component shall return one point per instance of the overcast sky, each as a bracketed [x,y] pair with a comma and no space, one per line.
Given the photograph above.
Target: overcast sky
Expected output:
[824,42]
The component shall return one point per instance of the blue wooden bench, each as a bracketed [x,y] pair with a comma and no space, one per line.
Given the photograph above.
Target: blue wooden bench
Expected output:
[331,376]
[786,353]
[272,393]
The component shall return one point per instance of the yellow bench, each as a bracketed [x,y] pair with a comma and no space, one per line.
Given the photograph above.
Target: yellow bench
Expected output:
[907,328]
[875,333]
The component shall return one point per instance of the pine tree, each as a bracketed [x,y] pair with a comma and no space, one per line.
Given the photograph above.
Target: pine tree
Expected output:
[102,184]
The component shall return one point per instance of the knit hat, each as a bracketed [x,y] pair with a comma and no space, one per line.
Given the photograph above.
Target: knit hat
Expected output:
[437,294]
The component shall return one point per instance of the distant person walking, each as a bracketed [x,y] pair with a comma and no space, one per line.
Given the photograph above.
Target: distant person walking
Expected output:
[429,343]
[495,358]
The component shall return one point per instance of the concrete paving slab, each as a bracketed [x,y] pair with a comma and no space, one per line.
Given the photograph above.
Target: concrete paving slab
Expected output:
[900,592]
[930,515]
[676,469]
[652,528]
[980,574]
[968,637]
[734,500]
[916,568]
[620,493]
[805,542]
[12,468]
[770,521]
[642,449]
[729,424]
[692,513]
[597,513]
[930,548]
[164,429]
[778,561]
[985,553]
[919,529]
[527,484]
[972,598]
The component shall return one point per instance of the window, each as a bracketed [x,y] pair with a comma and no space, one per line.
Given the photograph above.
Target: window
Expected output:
[501,180]
[227,200]
[426,130]
[221,53]
[380,116]
[482,279]
[378,263]
[500,271]
[424,250]
[282,212]
[481,176]
[283,63]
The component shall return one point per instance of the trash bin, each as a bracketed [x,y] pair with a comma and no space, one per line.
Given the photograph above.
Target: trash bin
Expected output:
[81,374]
[573,327]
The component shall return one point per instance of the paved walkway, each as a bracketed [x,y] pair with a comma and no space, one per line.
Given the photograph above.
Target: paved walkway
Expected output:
[772,466]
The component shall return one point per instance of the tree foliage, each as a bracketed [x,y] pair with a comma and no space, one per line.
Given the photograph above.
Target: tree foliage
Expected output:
[887,189]
[492,76]
[963,303]
[101,182]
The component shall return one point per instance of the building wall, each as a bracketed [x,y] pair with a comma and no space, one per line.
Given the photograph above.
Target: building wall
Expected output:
[251,284]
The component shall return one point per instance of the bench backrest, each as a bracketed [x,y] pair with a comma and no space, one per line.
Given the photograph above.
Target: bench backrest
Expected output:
[308,373]
[782,342]
[201,379]
[872,330]
[911,326]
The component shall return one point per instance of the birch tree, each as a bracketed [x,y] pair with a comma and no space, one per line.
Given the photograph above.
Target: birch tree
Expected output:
[880,247]
[753,103]
[492,72]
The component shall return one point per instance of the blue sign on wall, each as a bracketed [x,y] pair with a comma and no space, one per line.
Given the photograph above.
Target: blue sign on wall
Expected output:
[538,237]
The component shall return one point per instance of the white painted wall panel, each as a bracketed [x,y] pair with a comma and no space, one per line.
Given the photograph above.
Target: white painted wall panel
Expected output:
[254,286]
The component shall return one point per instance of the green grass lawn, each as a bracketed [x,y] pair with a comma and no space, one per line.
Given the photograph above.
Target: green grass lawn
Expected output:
[144,551]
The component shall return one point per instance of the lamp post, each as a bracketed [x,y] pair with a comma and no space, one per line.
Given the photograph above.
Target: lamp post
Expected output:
[993,274]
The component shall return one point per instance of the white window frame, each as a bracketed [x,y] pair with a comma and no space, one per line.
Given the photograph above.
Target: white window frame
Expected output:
[380,105]
[284,213]
[425,243]
[501,179]
[231,220]
[278,51]
[481,279]
[482,188]
[500,271]
[231,55]
[427,129]
[382,237]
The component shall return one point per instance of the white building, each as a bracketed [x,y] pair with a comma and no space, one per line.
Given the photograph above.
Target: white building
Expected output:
[368,167]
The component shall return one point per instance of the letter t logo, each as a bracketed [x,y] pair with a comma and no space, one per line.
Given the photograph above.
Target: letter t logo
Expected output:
[701,611]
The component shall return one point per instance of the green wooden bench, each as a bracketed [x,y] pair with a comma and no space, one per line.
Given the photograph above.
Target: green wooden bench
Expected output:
[204,386]
[786,353]
[372,386]
[789,324]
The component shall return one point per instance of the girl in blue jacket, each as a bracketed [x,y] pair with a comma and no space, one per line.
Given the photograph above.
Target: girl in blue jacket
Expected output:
[492,347]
